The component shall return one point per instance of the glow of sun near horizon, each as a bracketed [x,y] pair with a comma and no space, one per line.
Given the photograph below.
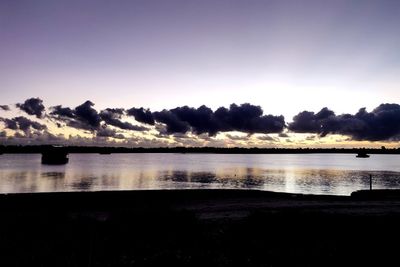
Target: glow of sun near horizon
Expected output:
[286,56]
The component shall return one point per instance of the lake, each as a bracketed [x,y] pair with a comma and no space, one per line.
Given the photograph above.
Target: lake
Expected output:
[333,174]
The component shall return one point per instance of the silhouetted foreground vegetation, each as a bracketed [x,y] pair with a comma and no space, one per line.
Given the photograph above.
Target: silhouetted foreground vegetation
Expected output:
[198,228]
[216,150]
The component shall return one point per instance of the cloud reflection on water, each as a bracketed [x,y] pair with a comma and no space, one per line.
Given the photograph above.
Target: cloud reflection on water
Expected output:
[119,172]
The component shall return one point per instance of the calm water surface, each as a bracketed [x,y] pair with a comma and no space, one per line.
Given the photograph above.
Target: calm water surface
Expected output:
[336,174]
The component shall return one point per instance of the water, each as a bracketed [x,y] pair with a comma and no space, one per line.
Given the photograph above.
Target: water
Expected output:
[334,174]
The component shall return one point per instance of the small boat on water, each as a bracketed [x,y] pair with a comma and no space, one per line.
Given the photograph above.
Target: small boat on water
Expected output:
[55,156]
[362,155]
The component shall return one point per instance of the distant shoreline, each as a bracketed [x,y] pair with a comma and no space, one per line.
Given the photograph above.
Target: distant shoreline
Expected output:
[199,150]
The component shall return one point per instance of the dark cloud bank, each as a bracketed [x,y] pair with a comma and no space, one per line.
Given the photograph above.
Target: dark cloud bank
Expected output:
[32,106]
[22,123]
[142,115]
[113,117]
[246,118]
[381,124]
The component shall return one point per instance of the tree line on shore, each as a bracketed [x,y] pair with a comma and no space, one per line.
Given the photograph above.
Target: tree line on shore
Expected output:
[215,150]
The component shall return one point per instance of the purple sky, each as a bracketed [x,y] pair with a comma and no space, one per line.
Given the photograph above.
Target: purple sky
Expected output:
[163,54]
[286,56]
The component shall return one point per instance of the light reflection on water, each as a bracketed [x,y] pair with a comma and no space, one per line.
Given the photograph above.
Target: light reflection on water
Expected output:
[337,174]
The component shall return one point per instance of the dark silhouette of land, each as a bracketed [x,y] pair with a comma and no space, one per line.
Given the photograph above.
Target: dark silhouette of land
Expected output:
[216,150]
[199,228]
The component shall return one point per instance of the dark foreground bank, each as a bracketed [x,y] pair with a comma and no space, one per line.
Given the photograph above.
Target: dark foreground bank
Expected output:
[199,228]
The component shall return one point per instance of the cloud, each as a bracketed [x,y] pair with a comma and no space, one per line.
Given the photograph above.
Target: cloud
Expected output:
[142,115]
[86,117]
[171,120]
[383,123]
[22,123]
[201,120]
[32,106]
[249,119]
[82,117]
[25,124]
[85,113]
[245,118]
[267,138]
[180,136]
[35,138]
[237,138]
[61,112]
[10,124]
[5,107]
[309,122]
[113,116]
[107,132]
[311,137]
[184,122]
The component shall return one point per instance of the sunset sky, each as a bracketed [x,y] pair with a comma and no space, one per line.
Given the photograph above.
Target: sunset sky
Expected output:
[281,57]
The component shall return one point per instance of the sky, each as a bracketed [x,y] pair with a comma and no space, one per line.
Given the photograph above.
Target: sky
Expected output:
[283,56]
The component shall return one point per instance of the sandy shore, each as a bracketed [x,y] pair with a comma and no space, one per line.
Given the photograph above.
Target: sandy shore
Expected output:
[198,227]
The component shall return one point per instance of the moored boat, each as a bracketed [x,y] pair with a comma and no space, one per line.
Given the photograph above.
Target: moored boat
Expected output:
[55,156]
[362,155]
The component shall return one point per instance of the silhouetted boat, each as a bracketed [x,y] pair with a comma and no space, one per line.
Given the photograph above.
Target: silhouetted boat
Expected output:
[105,153]
[362,155]
[55,156]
